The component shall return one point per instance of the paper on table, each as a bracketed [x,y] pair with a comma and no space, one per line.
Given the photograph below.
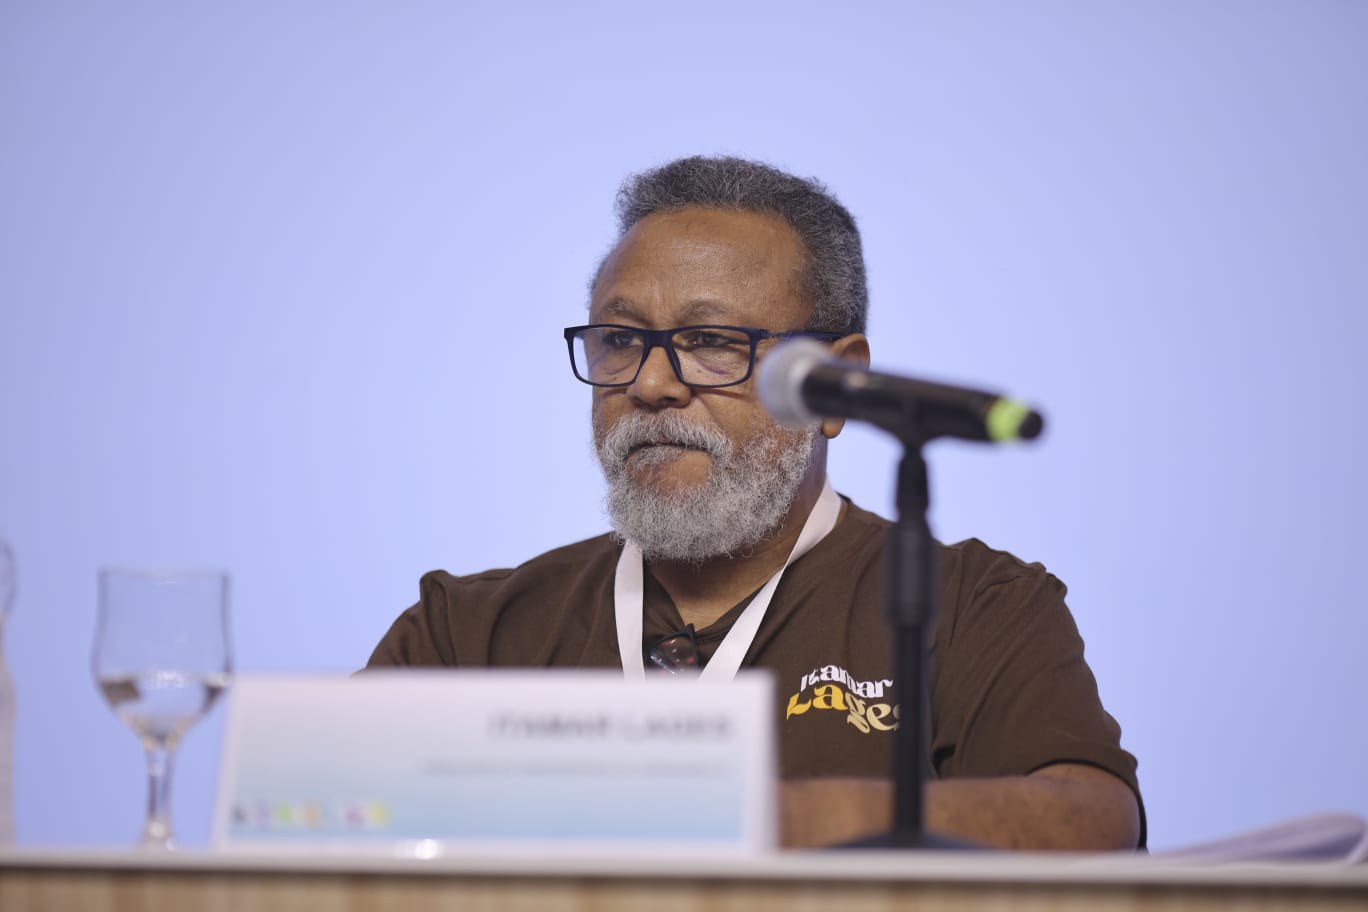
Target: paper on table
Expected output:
[1332,838]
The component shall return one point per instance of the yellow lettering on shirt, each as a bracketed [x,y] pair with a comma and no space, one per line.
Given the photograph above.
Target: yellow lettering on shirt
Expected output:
[828,696]
[857,713]
[880,711]
[866,716]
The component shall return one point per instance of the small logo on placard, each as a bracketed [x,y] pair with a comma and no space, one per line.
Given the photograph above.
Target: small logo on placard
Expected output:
[357,815]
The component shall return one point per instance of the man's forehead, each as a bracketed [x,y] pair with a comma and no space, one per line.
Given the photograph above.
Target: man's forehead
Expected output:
[716,242]
[701,265]
[696,232]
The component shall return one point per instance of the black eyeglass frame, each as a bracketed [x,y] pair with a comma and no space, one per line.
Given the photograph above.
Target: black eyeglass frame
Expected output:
[664,339]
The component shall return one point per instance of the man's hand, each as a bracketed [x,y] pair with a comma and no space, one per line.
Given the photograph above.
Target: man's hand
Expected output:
[1066,806]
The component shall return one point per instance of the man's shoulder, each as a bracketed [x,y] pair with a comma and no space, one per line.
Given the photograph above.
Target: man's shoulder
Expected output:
[987,591]
[974,559]
[551,566]
[865,519]
[972,556]
[550,610]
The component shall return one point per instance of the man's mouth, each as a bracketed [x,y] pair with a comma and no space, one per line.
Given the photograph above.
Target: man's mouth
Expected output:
[660,449]
[652,444]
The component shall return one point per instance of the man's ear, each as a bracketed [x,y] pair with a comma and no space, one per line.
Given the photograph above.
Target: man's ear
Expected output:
[855,349]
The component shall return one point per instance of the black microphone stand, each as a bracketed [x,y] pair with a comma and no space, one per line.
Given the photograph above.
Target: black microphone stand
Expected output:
[910,600]
[915,412]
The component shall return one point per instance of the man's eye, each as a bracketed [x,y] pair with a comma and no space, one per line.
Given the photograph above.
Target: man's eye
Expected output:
[704,338]
[619,339]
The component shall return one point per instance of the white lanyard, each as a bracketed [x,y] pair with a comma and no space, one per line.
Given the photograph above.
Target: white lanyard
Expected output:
[629,600]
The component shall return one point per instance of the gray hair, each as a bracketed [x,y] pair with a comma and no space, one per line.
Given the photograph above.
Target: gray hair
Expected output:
[833,278]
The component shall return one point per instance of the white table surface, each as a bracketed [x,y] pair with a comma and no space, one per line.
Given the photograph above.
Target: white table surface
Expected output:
[828,866]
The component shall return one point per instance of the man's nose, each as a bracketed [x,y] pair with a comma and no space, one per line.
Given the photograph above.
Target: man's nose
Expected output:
[657,385]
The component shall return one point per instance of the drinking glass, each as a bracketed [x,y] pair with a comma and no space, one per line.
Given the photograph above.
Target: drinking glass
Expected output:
[161,659]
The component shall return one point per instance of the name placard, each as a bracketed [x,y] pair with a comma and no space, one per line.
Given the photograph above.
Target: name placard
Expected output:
[427,762]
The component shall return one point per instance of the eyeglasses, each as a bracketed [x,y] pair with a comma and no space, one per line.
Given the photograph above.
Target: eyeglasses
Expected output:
[607,354]
[676,653]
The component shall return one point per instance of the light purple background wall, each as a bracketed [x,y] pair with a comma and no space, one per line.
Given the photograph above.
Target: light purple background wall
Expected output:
[281,287]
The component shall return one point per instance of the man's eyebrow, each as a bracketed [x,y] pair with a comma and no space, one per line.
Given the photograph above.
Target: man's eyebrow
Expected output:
[702,310]
[617,308]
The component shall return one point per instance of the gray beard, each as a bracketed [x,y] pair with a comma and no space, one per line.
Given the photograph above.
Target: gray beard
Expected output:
[744,500]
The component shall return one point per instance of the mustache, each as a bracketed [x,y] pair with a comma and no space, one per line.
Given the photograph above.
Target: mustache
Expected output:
[641,429]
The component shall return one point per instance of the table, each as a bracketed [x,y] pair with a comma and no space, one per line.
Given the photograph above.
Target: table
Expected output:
[862,881]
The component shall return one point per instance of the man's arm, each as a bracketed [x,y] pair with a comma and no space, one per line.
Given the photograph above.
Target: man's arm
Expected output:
[1065,806]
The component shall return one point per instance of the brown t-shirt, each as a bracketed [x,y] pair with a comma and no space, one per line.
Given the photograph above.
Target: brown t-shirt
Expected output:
[1010,691]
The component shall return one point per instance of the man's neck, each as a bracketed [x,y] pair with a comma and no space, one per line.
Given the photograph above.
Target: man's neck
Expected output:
[702,593]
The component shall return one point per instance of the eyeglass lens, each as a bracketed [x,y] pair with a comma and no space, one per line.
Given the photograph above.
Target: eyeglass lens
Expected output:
[675,653]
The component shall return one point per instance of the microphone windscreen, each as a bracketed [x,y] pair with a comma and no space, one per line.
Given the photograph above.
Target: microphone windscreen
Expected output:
[781,376]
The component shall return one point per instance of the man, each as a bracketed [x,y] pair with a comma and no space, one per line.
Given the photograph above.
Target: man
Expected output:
[730,549]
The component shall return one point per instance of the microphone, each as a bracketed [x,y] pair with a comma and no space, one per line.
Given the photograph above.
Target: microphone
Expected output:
[800,383]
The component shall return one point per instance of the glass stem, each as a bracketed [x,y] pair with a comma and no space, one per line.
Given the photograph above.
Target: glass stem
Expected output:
[157,831]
